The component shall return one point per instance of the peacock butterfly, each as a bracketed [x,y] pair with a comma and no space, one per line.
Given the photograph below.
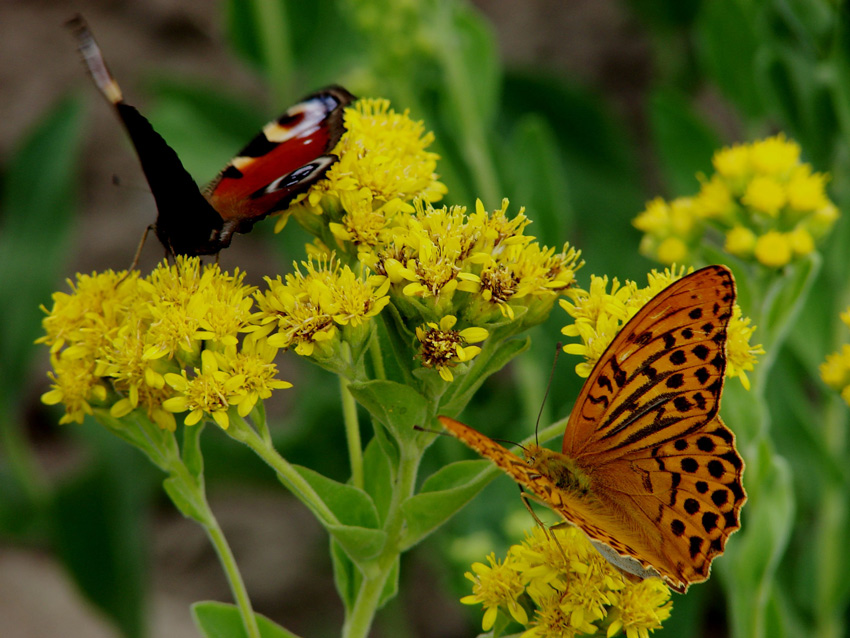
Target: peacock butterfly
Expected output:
[284,159]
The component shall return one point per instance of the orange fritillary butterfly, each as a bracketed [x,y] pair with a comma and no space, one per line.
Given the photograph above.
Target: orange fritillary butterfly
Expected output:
[648,471]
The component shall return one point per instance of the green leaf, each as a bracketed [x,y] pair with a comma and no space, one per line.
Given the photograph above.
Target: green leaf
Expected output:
[184,498]
[37,200]
[137,430]
[684,142]
[222,620]
[378,477]
[354,508]
[785,297]
[360,543]
[398,407]
[444,493]
[351,505]
[390,590]
[347,577]
[191,452]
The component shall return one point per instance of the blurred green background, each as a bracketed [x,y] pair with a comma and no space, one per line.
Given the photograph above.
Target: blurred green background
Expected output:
[580,111]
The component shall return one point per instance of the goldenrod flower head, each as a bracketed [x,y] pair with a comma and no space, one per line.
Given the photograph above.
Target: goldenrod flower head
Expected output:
[765,195]
[125,342]
[571,589]
[92,311]
[807,190]
[740,241]
[670,228]
[740,355]
[732,162]
[765,204]
[442,347]
[75,385]
[494,586]
[253,365]
[773,249]
[835,371]
[383,165]
[442,261]
[311,305]
[205,393]
[598,316]
[774,156]
[641,608]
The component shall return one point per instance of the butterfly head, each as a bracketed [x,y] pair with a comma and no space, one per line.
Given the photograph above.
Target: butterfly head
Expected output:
[559,468]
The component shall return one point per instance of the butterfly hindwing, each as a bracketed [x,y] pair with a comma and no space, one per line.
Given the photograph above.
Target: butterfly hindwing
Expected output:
[287,156]
[662,375]
[690,489]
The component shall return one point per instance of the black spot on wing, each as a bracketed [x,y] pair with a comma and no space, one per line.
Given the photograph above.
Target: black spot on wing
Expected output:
[258,147]
[231,172]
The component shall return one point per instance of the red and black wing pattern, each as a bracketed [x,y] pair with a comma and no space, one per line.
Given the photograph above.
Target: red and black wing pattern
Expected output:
[287,156]
[291,153]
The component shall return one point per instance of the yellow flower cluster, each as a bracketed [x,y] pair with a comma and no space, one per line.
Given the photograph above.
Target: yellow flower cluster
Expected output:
[440,266]
[557,585]
[835,371]
[763,202]
[599,314]
[383,165]
[307,310]
[188,339]
[481,268]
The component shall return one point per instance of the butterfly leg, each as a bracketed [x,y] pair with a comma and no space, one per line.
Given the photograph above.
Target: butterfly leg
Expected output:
[525,500]
[138,254]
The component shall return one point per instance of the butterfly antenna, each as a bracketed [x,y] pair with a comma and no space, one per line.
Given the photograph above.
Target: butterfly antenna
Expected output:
[548,387]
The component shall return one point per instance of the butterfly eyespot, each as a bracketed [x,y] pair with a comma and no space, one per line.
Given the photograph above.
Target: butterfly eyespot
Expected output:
[660,489]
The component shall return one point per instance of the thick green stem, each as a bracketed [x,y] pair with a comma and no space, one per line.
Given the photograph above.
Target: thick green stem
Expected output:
[362,614]
[234,577]
[352,433]
[206,518]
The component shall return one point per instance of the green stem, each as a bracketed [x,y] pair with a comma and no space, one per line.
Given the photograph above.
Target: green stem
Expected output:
[234,577]
[377,356]
[360,619]
[194,488]
[286,472]
[352,433]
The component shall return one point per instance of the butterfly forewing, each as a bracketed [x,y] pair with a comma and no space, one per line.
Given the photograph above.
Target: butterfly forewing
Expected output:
[649,469]
[662,375]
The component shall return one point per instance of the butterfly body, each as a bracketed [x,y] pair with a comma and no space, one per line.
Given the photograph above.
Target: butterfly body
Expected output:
[647,466]
[281,162]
